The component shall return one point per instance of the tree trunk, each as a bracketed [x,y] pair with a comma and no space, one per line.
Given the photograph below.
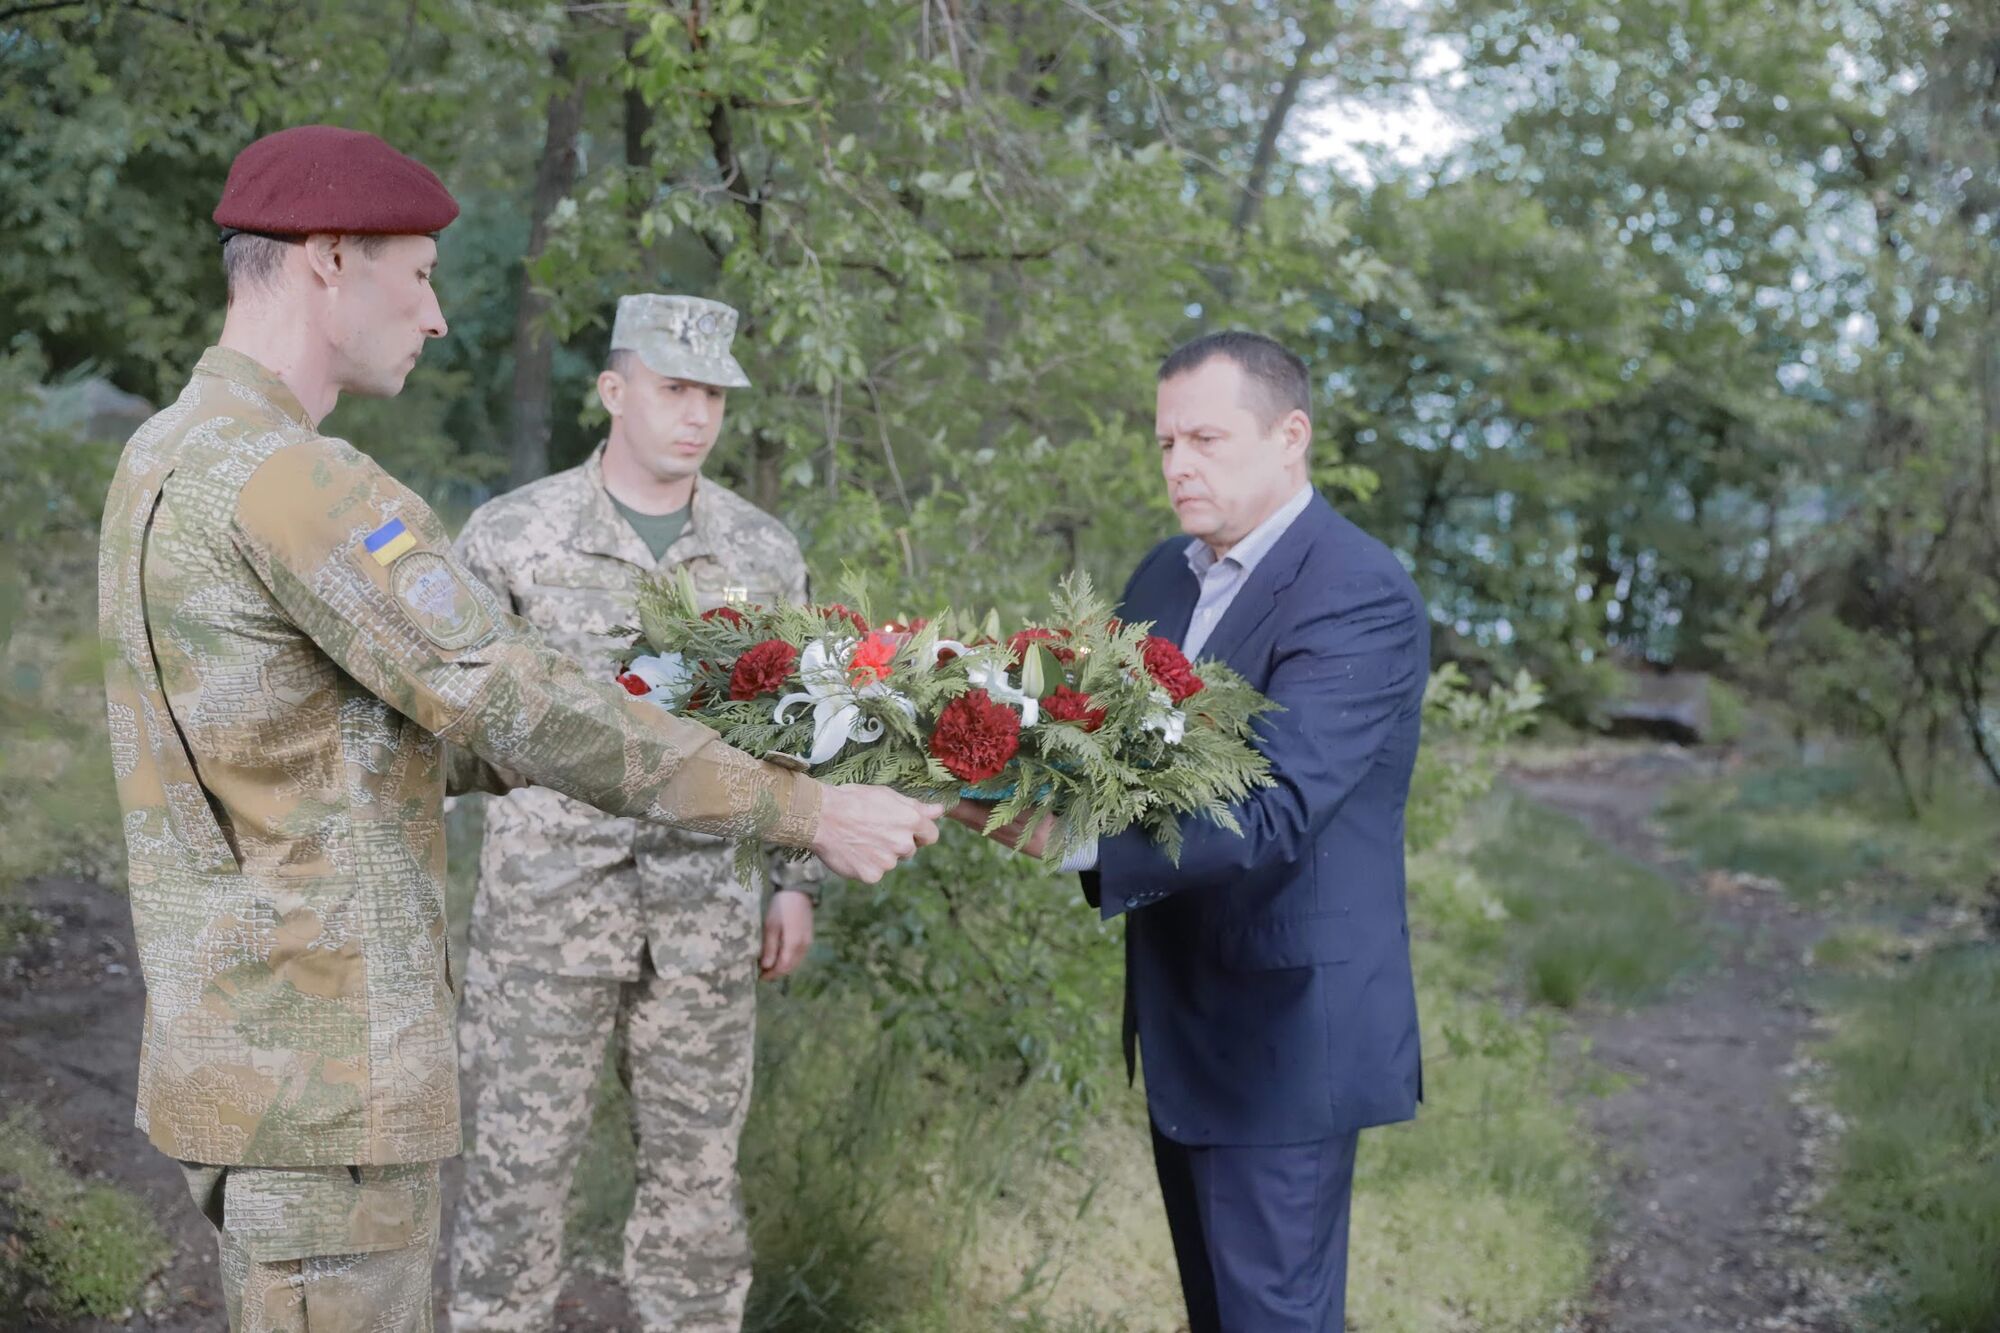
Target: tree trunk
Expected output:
[534,349]
[638,113]
[1252,198]
[1971,697]
[766,452]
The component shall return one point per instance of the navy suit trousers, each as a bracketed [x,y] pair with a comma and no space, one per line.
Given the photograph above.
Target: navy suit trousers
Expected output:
[1260,1233]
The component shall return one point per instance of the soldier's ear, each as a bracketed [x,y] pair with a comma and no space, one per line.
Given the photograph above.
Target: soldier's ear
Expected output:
[611,391]
[324,257]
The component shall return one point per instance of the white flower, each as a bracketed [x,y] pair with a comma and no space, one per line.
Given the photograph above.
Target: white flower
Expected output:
[837,716]
[666,676]
[991,676]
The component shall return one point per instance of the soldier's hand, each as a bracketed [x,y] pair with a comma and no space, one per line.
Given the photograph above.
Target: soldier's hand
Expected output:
[864,831]
[788,933]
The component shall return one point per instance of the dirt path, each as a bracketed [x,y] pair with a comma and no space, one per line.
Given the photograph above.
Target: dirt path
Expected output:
[1711,1151]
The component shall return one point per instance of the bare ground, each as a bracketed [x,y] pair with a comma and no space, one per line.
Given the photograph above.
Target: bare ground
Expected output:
[1710,1141]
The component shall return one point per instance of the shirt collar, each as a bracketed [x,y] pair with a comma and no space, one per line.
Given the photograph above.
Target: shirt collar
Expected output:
[240,370]
[1256,544]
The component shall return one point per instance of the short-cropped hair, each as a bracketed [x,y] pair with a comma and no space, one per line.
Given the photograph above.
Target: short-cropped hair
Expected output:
[253,260]
[250,261]
[1276,379]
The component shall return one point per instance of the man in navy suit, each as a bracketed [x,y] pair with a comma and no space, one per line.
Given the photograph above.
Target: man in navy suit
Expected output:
[1268,974]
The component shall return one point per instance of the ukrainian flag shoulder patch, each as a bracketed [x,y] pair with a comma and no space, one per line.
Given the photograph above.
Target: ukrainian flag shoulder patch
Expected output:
[389,541]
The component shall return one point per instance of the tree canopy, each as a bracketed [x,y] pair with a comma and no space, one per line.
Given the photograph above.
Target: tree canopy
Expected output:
[1687,352]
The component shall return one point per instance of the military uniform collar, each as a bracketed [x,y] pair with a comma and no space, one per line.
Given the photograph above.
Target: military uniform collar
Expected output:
[604,531]
[246,373]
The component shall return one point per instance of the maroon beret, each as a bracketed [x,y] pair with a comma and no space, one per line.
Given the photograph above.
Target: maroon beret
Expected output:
[316,178]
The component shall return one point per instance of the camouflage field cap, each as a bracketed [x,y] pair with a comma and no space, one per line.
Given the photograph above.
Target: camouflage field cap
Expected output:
[681,337]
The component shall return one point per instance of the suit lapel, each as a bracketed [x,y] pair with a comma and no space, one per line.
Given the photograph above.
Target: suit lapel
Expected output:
[1166,597]
[1277,571]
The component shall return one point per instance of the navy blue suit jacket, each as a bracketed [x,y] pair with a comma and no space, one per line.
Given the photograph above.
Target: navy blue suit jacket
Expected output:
[1269,974]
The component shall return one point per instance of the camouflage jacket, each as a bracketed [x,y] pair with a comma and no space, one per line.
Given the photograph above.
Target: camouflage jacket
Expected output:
[287,640]
[564,888]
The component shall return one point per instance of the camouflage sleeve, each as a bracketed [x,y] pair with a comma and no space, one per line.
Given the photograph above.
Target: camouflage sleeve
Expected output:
[361,565]
[800,874]
[464,771]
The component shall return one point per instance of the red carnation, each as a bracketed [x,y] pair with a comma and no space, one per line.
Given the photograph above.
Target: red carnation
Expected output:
[835,611]
[975,737]
[728,613]
[1068,705]
[763,670]
[1169,669]
[633,684]
[871,660]
[1021,640]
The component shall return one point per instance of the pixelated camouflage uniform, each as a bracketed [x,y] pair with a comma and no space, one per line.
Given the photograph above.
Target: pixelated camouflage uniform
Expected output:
[278,694]
[582,919]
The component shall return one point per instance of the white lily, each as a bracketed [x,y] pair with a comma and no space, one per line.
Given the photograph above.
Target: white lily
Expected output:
[667,678]
[991,676]
[837,715]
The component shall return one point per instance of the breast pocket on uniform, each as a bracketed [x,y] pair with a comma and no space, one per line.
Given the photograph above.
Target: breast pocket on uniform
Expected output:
[579,618]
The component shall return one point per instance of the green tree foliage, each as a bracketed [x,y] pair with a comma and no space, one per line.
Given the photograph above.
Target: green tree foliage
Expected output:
[1675,358]
[1883,616]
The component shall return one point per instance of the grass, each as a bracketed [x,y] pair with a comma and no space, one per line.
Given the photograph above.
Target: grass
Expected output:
[1838,831]
[57,800]
[1481,1213]
[1575,920]
[68,1247]
[1914,1070]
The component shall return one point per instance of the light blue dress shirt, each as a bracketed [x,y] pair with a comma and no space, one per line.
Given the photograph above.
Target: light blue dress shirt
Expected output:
[1220,581]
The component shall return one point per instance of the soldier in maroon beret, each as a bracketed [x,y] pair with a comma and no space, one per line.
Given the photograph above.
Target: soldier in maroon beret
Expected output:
[333,233]
[290,644]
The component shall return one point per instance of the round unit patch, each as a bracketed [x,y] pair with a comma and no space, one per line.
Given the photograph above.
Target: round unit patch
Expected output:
[434,599]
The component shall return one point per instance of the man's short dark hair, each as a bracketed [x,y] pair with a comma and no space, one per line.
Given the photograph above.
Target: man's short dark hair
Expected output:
[620,361]
[252,260]
[1276,380]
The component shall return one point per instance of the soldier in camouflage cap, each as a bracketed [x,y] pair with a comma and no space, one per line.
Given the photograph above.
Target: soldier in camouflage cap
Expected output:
[584,923]
[289,642]
[681,338]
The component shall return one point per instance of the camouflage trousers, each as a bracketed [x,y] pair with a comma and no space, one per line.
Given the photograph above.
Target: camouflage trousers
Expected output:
[332,1249]
[531,1047]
